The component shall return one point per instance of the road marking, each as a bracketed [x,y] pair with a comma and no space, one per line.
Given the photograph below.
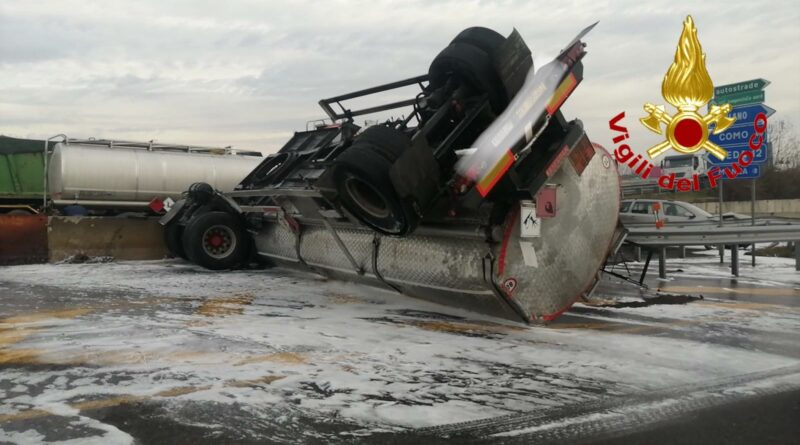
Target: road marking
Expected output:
[749,291]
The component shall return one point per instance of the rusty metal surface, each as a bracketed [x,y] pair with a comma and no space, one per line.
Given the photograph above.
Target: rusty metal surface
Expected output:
[23,239]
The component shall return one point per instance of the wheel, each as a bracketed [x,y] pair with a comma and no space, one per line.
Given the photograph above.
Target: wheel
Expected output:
[471,65]
[215,240]
[362,180]
[172,238]
[389,142]
[484,38]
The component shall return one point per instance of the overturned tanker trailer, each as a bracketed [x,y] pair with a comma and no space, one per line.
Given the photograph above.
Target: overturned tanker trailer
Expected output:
[484,197]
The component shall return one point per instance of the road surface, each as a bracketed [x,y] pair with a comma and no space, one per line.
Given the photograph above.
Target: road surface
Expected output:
[165,352]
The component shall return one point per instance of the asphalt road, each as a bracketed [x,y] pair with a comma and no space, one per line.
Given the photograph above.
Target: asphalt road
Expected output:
[164,352]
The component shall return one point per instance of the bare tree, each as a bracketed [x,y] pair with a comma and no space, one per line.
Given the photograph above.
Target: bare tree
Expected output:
[784,144]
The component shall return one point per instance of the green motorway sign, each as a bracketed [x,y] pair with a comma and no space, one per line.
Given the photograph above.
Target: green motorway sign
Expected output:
[753,85]
[749,97]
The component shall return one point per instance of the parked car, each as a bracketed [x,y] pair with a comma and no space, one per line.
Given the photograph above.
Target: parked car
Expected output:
[640,211]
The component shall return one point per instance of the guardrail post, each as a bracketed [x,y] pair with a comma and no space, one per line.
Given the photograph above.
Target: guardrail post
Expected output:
[682,251]
[637,252]
[662,262]
[735,260]
[797,255]
[721,253]
[753,255]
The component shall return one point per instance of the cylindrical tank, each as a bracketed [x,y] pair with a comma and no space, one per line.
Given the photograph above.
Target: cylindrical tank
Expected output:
[120,176]
[534,276]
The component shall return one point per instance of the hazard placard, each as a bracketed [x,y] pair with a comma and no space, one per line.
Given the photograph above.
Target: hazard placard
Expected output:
[530,224]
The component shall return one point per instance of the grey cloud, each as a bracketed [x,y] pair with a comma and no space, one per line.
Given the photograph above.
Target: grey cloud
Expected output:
[251,72]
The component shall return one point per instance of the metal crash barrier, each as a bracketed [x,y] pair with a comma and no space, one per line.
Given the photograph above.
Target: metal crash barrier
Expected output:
[658,240]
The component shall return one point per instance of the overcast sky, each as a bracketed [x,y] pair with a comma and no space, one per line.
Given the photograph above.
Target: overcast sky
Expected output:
[248,73]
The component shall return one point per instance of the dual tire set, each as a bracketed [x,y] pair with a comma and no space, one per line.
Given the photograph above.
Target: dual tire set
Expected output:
[361,173]
[215,240]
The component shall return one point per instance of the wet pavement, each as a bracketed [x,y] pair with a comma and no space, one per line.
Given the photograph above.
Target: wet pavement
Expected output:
[165,352]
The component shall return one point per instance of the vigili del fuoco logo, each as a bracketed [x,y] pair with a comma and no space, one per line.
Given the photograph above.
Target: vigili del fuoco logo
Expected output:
[687,86]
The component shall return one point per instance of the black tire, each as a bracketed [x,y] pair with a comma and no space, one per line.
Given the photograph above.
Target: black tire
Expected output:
[215,240]
[390,143]
[362,180]
[470,65]
[484,38]
[173,234]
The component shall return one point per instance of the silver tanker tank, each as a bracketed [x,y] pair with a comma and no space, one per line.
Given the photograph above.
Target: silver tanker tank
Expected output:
[113,174]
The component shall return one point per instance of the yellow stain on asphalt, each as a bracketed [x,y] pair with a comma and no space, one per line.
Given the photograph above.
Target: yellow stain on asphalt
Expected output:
[9,336]
[17,328]
[127,399]
[90,405]
[221,307]
[588,325]
[106,403]
[44,315]
[636,329]
[293,358]
[337,298]
[24,415]
[747,291]
[267,379]
[181,390]
[16,356]
[463,327]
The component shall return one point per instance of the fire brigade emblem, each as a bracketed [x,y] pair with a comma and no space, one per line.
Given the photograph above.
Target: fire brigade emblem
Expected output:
[687,86]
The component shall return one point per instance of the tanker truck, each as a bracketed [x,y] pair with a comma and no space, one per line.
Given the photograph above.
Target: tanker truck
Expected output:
[484,196]
[108,176]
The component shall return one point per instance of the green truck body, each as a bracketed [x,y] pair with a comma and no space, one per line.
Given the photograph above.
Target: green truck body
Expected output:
[21,171]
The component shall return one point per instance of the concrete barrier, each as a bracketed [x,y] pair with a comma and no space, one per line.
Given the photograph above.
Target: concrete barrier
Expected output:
[789,208]
[121,238]
[23,239]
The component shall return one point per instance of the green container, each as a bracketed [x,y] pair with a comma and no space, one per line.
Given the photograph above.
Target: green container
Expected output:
[21,168]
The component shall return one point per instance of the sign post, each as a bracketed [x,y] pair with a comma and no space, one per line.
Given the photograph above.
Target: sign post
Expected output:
[747,100]
[753,217]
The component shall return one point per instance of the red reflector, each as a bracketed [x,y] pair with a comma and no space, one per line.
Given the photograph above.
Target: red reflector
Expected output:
[156,205]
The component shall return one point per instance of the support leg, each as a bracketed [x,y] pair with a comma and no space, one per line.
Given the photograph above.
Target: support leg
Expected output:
[646,265]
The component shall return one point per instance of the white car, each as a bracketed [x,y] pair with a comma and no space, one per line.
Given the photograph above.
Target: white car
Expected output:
[640,211]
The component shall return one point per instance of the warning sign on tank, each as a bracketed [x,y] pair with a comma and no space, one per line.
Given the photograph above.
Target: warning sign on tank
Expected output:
[530,225]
